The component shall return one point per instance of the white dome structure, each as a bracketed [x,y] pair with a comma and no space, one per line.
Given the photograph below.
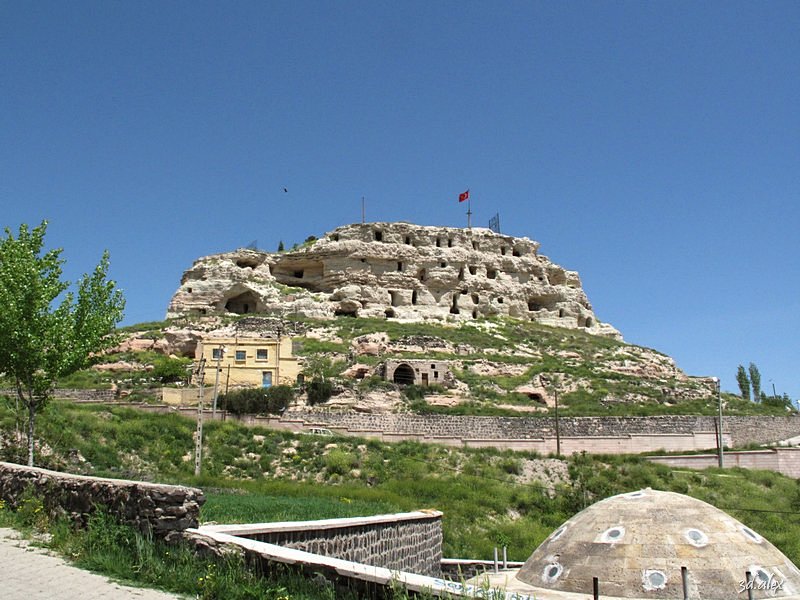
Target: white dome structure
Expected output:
[637,543]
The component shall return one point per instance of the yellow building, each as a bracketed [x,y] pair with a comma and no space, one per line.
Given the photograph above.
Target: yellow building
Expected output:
[249,361]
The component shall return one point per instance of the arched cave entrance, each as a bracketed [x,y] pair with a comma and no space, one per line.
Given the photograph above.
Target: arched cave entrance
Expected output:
[403,375]
[246,302]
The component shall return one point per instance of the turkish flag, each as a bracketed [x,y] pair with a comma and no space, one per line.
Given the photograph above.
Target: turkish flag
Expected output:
[464,196]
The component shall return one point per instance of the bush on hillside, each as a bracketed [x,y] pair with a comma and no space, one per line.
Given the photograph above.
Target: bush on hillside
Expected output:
[255,401]
[170,370]
[319,391]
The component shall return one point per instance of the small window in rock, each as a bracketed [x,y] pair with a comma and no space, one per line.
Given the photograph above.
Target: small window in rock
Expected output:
[423,275]
[561,313]
[389,313]
[475,313]
[475,298]
[202,311]
[335,237]
[473,269]
[414,297]
[378,236]
[533,305]
[395,298]
[436,374]
[408,240]
[461,274]
[188,290]
[443,264]
[589,322]
[449,242]
[475,245]
[438,242]
[499,300]
[503,250]
[491,274]
[298,274]
[399,266]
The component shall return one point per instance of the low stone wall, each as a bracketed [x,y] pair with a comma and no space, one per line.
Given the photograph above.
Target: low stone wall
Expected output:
[781,460]
[160,509]
[409,542]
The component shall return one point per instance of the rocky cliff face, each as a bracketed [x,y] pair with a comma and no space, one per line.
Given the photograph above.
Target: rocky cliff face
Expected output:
[393,270]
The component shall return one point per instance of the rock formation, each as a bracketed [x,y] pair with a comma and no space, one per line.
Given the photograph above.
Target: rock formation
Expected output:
[393,270]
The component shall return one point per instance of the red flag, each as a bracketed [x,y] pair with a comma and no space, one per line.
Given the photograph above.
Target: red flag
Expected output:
[464,196]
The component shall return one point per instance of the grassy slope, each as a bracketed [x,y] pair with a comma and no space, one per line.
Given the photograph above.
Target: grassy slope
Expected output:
[282,477]
[573,354]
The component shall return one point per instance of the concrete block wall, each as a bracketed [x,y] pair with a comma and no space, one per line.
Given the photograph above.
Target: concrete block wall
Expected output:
[409,542]
[160,509]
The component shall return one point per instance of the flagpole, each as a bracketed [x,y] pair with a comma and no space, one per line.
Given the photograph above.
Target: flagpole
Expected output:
[469,212]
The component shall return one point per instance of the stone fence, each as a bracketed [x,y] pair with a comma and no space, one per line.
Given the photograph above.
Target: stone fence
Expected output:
[157,508]
[409,542]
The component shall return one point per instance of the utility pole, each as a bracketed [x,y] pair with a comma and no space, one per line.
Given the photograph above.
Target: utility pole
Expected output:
[558,434]
[200,373]
[363,213]
[719,402]
[220,351]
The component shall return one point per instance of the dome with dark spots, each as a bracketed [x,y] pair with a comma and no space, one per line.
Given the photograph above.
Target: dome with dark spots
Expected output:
[636,544]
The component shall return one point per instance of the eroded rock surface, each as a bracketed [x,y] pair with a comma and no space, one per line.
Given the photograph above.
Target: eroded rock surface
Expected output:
[394,270]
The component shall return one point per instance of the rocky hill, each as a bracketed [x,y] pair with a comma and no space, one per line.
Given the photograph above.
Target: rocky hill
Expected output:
[393,270]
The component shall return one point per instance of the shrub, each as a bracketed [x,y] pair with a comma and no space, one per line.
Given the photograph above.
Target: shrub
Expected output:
[256,401]
[247,401]
[319,391]
[279,397]
[170,370]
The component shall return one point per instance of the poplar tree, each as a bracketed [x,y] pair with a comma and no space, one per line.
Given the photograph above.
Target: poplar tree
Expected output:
[47,330]
[755,381]
[744,382]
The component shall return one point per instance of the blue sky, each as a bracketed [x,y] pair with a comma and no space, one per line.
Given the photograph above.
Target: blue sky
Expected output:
[652,146]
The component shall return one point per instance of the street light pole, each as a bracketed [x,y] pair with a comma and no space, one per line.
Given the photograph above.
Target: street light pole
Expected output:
[220,352]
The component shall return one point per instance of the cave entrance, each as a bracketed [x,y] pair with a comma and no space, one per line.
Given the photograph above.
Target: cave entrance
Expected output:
[403,375]
[242,304]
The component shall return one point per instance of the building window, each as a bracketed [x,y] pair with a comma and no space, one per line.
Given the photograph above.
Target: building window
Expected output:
[216,353]
[241,355]
[262,354]
[266,379]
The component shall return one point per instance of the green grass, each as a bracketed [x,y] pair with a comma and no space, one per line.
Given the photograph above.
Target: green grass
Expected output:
[256,475]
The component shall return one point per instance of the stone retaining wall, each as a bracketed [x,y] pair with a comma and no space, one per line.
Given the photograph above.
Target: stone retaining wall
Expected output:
[74,394]
[409,542]
[161,509]
[742,430]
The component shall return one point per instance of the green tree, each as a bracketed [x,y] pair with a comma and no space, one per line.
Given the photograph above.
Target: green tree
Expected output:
[280,246]
[755,381]
[744,382]
[42,338]
[170,370]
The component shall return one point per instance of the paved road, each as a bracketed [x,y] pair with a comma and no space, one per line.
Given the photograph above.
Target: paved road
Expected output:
[31,573]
